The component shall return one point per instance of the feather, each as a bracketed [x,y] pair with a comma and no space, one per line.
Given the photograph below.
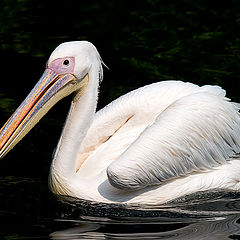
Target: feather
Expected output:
[195,133]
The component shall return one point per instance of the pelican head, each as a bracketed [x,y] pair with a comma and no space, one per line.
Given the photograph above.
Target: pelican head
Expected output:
[67,71]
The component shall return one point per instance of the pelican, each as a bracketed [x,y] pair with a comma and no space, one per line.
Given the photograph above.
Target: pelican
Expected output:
[152,145]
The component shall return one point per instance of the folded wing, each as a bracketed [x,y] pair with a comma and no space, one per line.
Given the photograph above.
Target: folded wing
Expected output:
[194,133]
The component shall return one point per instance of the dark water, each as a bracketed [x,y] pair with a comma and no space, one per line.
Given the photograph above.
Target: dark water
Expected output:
[29,211]
[141,41]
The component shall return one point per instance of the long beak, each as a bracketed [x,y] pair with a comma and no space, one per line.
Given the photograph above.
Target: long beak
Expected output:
[49,90]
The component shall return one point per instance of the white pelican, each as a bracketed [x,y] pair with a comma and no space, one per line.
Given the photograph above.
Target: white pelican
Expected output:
[152,145]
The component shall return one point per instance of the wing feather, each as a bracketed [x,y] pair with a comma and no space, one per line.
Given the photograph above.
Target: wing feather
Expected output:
[149,101]
[194,133]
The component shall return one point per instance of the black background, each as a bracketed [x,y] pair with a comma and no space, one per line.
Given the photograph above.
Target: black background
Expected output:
[140,41]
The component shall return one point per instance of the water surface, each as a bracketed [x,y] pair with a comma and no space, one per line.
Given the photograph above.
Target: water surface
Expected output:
[29,211]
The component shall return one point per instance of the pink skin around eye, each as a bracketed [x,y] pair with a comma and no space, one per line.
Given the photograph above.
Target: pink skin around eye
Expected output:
[59,67]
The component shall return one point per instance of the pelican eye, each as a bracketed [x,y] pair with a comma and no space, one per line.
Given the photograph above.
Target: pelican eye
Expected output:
[66,62]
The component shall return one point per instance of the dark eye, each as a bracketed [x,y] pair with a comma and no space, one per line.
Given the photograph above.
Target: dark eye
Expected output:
[66,62]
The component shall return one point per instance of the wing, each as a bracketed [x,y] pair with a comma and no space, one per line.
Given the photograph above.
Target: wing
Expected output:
[194,133]
[144,104]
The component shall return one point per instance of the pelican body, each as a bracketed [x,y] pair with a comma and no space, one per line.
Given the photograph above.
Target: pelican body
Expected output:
[152,145]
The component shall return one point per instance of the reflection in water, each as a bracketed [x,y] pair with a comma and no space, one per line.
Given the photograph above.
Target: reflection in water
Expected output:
[208,215]
[29,211]
[214,228]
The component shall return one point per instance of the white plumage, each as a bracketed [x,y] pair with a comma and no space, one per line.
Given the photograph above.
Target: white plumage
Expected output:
[152,145]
